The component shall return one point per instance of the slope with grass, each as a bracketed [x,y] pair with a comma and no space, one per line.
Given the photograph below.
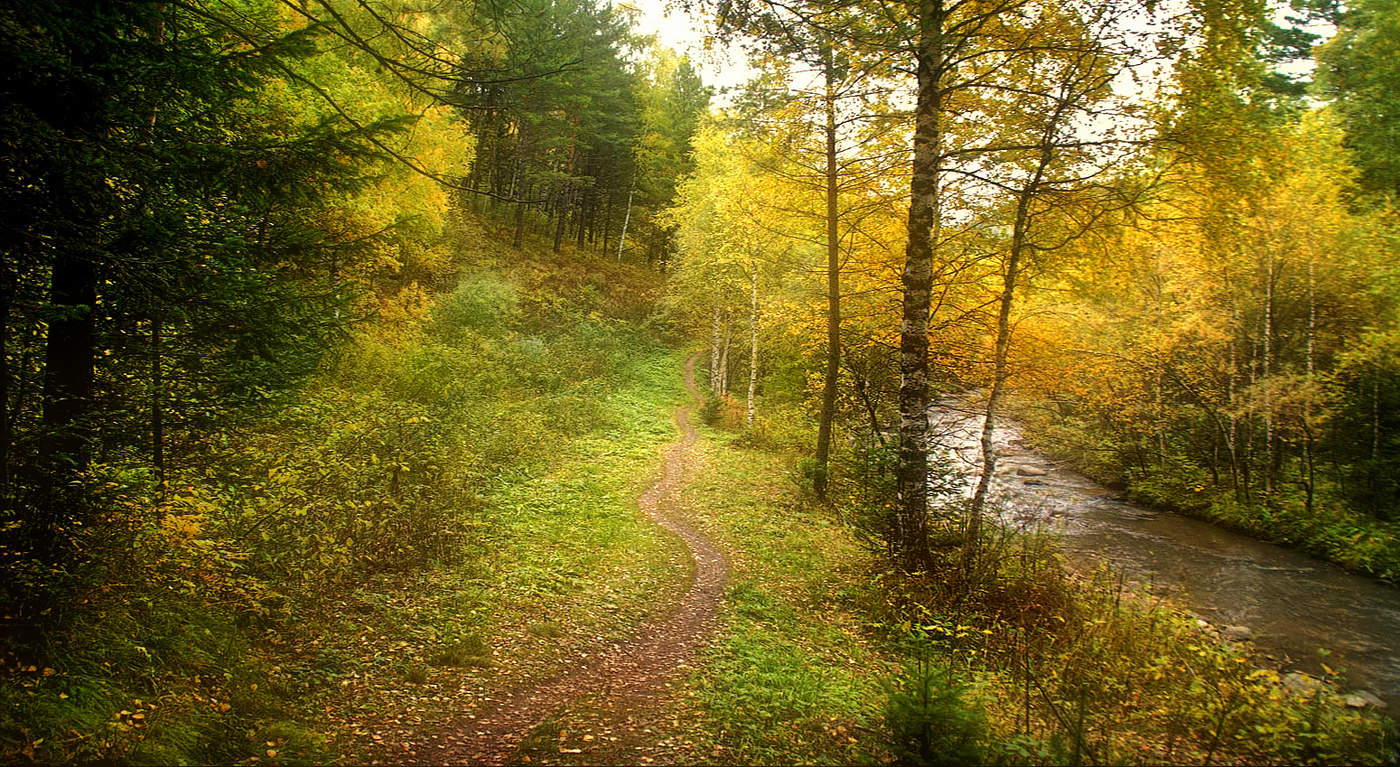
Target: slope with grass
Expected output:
[436,519]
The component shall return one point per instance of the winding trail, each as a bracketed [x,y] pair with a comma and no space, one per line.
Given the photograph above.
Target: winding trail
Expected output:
[631,677]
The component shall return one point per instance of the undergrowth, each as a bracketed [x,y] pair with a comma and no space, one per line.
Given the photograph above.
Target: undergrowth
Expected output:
[283,561]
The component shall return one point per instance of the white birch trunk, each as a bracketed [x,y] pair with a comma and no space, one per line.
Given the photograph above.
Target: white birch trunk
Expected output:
[626,217]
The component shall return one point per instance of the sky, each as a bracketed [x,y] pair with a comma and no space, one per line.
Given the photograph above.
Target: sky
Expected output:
[727,67]
[674,28]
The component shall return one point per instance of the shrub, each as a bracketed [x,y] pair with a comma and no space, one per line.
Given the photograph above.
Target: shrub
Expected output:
[928,722]
[483,302]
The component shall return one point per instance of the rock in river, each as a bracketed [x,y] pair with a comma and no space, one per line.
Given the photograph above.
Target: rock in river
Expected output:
[1363,699]
[1237,633]
[1300,682]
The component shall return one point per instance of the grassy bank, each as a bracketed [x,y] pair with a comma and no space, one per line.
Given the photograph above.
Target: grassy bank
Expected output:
[795,674]
[432,519]
[1036,666]
[547,590]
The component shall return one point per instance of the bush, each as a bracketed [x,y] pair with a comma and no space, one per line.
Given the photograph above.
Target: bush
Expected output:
[483,302]
[711,411]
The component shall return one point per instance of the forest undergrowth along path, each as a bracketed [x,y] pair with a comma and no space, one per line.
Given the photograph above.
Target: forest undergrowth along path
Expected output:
[632,677]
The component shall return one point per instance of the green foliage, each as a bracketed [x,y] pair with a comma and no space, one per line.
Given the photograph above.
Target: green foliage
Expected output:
[929,720]
[1093,672]
[483,303]
[711,410]
[564,119]
[1358,70]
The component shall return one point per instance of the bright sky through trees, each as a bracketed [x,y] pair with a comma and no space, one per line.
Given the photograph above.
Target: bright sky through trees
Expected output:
[721,66]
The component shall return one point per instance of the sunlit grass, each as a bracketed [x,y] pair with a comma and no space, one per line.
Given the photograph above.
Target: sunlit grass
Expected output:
[792,676]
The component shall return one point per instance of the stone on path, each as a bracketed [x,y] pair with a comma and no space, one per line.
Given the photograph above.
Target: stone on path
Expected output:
[1030,471]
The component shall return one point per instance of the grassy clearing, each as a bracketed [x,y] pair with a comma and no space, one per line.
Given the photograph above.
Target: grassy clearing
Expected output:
[548,590]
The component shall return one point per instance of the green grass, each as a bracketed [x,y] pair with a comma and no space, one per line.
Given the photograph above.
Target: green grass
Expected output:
[549,589]
[793,676]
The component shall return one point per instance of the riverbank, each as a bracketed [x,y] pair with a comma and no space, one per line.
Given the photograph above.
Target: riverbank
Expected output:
[819,637]
[1356,541]
[1294,606]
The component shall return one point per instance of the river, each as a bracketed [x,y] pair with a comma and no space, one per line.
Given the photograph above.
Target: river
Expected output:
[1293,603]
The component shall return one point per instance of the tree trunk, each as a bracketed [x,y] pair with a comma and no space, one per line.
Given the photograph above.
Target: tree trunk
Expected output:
[1376,415]
[1020,235]
[69,359]
[1308,459]
[753,341]
[714,350]
[157,420]
[1232,383]
[724,365]
[1268,321]
[584,204]
[833,288]
[622,238]
[563,210]
[519,224]
[5,422]
[917,285]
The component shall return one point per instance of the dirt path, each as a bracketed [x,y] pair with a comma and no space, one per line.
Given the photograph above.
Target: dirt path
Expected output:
[631,677]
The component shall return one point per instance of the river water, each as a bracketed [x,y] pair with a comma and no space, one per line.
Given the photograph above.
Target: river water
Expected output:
[1293,603]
